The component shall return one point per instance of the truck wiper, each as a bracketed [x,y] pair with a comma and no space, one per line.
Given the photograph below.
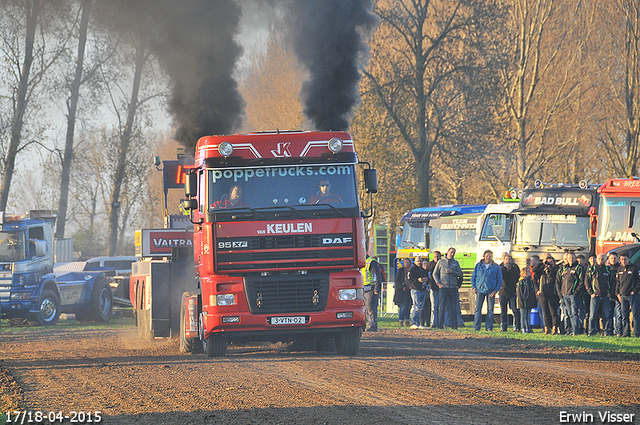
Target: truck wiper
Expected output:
[332,207]
[246,208]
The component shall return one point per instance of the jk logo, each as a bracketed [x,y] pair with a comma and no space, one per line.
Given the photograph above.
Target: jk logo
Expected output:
[282,150]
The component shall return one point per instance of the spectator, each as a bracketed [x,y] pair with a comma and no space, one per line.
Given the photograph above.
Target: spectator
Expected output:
[569,279]
[544,278]
[425,315]
[486,281]
[402,292]
[628,293]
[616,310]
[418,281]
[446,276]
[434,293]
[600,285]
[507,293]
[526,299]
[372,286]
[585,298]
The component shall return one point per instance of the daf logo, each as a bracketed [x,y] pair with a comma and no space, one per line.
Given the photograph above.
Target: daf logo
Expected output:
[233,244]
[336,241]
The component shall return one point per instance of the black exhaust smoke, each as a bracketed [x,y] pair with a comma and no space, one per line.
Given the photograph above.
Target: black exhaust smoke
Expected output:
[193,41]
[330,40]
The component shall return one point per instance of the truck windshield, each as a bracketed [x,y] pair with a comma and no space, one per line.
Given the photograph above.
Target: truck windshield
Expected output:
[443,233]
[413,235]
[496,227]
[552,229]
[459,232]
[11,247]
[615,214]
[286,186]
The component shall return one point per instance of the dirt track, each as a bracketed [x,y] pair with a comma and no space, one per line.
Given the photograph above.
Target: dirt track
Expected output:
[400,376]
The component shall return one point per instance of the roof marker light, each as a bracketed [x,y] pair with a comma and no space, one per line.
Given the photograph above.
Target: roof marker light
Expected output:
[225,149]
[335,145]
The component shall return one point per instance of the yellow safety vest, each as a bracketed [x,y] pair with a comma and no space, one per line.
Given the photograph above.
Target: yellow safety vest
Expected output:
[369,277]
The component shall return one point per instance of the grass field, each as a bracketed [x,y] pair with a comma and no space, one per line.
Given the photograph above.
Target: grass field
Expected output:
[581,342]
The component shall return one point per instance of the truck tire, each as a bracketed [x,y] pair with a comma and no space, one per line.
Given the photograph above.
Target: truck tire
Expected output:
[214,345]
[101,301]
[187,345]
[49,313]
[348,342]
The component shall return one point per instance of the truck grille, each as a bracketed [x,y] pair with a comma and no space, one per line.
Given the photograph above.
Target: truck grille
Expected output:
[287,293]
[5,289]
[285,252]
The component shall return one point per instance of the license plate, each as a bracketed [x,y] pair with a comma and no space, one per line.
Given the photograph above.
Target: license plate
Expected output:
[295,320]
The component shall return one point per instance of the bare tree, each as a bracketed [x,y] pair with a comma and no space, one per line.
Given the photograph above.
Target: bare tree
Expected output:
[417,55]
[29,65]
[545,81]
[620,127]
[141,57]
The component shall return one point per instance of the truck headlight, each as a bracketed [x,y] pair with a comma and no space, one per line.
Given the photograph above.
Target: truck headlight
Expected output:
[223,299]
[347,294]
[20,296]
[335,145]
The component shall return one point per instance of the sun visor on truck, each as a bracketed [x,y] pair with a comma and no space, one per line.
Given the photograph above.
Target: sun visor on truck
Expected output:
[574,201]
[420,215]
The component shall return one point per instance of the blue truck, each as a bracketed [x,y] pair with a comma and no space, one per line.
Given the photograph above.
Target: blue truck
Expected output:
[30,292]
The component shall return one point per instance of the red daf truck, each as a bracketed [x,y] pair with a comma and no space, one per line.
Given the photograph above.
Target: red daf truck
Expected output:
[618,214]
[278,243]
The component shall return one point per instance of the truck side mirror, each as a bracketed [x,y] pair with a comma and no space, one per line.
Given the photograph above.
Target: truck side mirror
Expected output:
[191,185]
[190,204]
[40,248]
[371,180]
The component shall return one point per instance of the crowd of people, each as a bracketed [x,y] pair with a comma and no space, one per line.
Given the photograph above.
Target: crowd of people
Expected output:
[578,296]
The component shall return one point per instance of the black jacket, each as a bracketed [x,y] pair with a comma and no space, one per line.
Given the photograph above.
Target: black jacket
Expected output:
[570,279]
[544,277]
[627,280]
[600,281]
[416,272]
[400,285]
[526,293]
[510,277]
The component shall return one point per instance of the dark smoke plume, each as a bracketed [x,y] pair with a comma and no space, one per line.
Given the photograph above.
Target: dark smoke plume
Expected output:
[193,41]
[330,39]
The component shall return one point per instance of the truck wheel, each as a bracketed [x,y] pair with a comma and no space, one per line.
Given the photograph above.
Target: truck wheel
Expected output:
[187,345]
[348,342]
[214,345]
[49,313]
[101,301]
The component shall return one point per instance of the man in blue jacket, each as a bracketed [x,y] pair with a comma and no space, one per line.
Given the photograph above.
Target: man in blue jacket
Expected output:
[485,282]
